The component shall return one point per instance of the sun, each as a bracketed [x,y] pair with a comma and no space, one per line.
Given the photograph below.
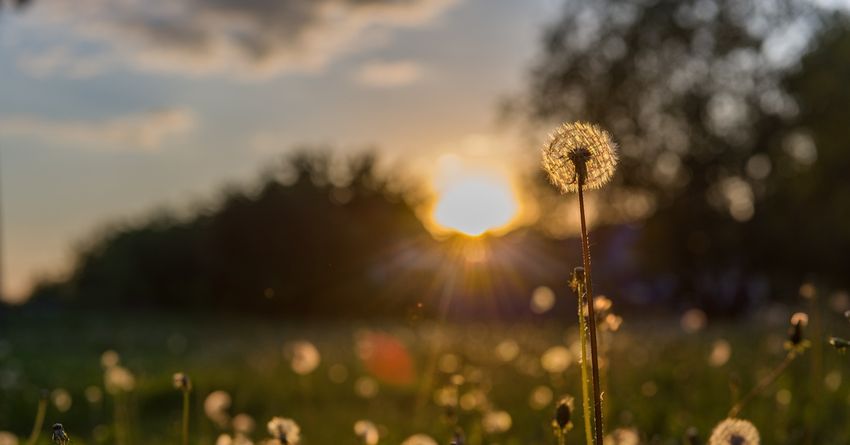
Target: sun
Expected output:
[475,204]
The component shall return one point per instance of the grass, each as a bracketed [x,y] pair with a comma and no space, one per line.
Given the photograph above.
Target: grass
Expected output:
[664,382]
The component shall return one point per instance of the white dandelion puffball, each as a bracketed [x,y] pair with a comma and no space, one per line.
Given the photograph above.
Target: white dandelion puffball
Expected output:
[579,142]
[734,432]
[367,432]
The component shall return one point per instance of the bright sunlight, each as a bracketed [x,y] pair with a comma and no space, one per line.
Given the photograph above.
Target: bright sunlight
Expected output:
[476,204]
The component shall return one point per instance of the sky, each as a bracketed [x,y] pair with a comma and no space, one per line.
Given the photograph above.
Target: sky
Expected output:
[110,109]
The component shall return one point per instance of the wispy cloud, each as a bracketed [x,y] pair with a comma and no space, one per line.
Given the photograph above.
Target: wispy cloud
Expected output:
[387,74]
[144,131]
[246,38]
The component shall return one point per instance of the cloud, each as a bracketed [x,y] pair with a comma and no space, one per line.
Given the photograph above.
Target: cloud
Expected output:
[248,38]
[381,74]
[144,131]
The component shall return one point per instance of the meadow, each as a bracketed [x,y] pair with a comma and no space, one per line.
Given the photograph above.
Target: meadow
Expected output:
[669,379]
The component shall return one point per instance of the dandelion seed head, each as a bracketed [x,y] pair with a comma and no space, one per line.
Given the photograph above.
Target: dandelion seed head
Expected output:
[579,147]
[181,381]
[734,432]
[800,318]
[284,431]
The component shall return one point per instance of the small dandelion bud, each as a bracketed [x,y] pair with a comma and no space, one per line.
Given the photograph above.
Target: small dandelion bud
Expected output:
[577,278]
[563,414]
[734,432]
[579,150]
[796,341]
[182,382]
[59,436]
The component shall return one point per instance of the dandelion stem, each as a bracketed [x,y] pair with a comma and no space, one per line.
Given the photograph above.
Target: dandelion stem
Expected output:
[39,420]
[591,314]
[185,417]
[577,282]
[763,384]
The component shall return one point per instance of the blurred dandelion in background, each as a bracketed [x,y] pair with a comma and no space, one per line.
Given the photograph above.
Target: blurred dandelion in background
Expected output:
[734,432]
[419,439]
[284,431]
[622,436]
[304,357]
[243,423]
[721,351]
[7,438]
[495,422]
[542,300]
[556,359]
[540,397]
[367,432]
[119,379]
[216,405]
[61,399]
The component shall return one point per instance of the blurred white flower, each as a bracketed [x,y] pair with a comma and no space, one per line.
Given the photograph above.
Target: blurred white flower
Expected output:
[495,422]
[540,397]
[734,432]
[7,438]
[721,351]
[367,432]
[61,399]
[507,350]
[622,436]
[556,359]
[215,407]
[93,394]
[542,299]
[366,387]
[109,359]
[419,439]
[304,357]
[118,379]
[243,423]
[285,431]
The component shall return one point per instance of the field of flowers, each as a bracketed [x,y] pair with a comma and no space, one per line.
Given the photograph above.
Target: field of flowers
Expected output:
[111,380]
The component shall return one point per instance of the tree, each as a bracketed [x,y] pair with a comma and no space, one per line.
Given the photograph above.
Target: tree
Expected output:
[695,93]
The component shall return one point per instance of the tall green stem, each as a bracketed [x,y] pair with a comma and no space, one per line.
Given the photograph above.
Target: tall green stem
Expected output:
[581,297]
[39,420]
[591,313]
[185,417]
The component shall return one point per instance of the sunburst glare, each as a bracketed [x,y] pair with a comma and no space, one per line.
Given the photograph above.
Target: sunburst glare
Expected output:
[474,202]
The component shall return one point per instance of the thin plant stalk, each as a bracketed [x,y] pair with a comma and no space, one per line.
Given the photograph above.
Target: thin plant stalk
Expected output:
[585,374]
[763,384]
[591,313]
[185,417]
[39,420]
